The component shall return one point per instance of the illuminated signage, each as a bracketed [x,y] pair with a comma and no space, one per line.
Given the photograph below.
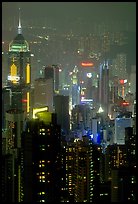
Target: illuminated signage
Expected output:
[125,103]
[87,64]
[13,78]
[38,110]
[86,100]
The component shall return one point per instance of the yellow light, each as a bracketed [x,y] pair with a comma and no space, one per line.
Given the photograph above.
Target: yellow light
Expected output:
[37,110]
[13,72]
[27,74]
[28,102]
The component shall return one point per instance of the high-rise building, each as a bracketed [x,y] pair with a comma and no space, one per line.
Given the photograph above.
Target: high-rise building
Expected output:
[19,77]
[133,80]
[75,88]
[52,72]
[81,117]
[82,170]
[120,125]
[123,185]
[14,127]
[130,142]
[41,158]
[43,93]
[11,155]
[115,157]
[61,104]
[19,59]
[119,65]
[6,104]
[104,87]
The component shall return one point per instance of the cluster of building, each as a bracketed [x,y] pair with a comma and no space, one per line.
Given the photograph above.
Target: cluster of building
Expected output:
[71,141]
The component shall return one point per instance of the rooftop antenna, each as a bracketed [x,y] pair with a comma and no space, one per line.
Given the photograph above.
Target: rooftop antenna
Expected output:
[19,25]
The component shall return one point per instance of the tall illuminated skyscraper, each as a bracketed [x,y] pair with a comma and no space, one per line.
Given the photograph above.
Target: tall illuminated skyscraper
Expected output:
[19,77]
[19,59]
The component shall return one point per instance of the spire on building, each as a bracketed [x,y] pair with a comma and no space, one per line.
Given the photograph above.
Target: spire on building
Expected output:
[19,25]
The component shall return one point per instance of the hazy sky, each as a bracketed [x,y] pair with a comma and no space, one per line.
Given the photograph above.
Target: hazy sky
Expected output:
[66,12]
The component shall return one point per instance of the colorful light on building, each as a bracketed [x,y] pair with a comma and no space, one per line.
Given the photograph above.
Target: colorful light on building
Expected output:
[123,81]
[38,110]
[28,74]
[87,64]
[125,103]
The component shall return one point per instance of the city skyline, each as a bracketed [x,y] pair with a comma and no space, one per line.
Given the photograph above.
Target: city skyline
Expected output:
[68,102]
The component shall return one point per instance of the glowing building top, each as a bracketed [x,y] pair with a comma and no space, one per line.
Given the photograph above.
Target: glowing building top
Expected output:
[19,44]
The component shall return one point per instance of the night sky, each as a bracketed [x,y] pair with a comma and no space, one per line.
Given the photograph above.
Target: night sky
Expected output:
[64,13]
[79,17]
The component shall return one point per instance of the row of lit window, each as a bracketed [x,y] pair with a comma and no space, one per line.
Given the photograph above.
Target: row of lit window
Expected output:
[41,193]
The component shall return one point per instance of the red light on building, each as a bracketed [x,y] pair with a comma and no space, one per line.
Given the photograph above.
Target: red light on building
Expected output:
[125,103]
[24,100]
[87,64]
[121,81]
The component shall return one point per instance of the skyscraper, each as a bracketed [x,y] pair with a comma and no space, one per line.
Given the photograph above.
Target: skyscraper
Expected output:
[41,158]
[120,125]
[19,59]
[10,156]
[61,104]
[19,78]
[43,93]
[104,87]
